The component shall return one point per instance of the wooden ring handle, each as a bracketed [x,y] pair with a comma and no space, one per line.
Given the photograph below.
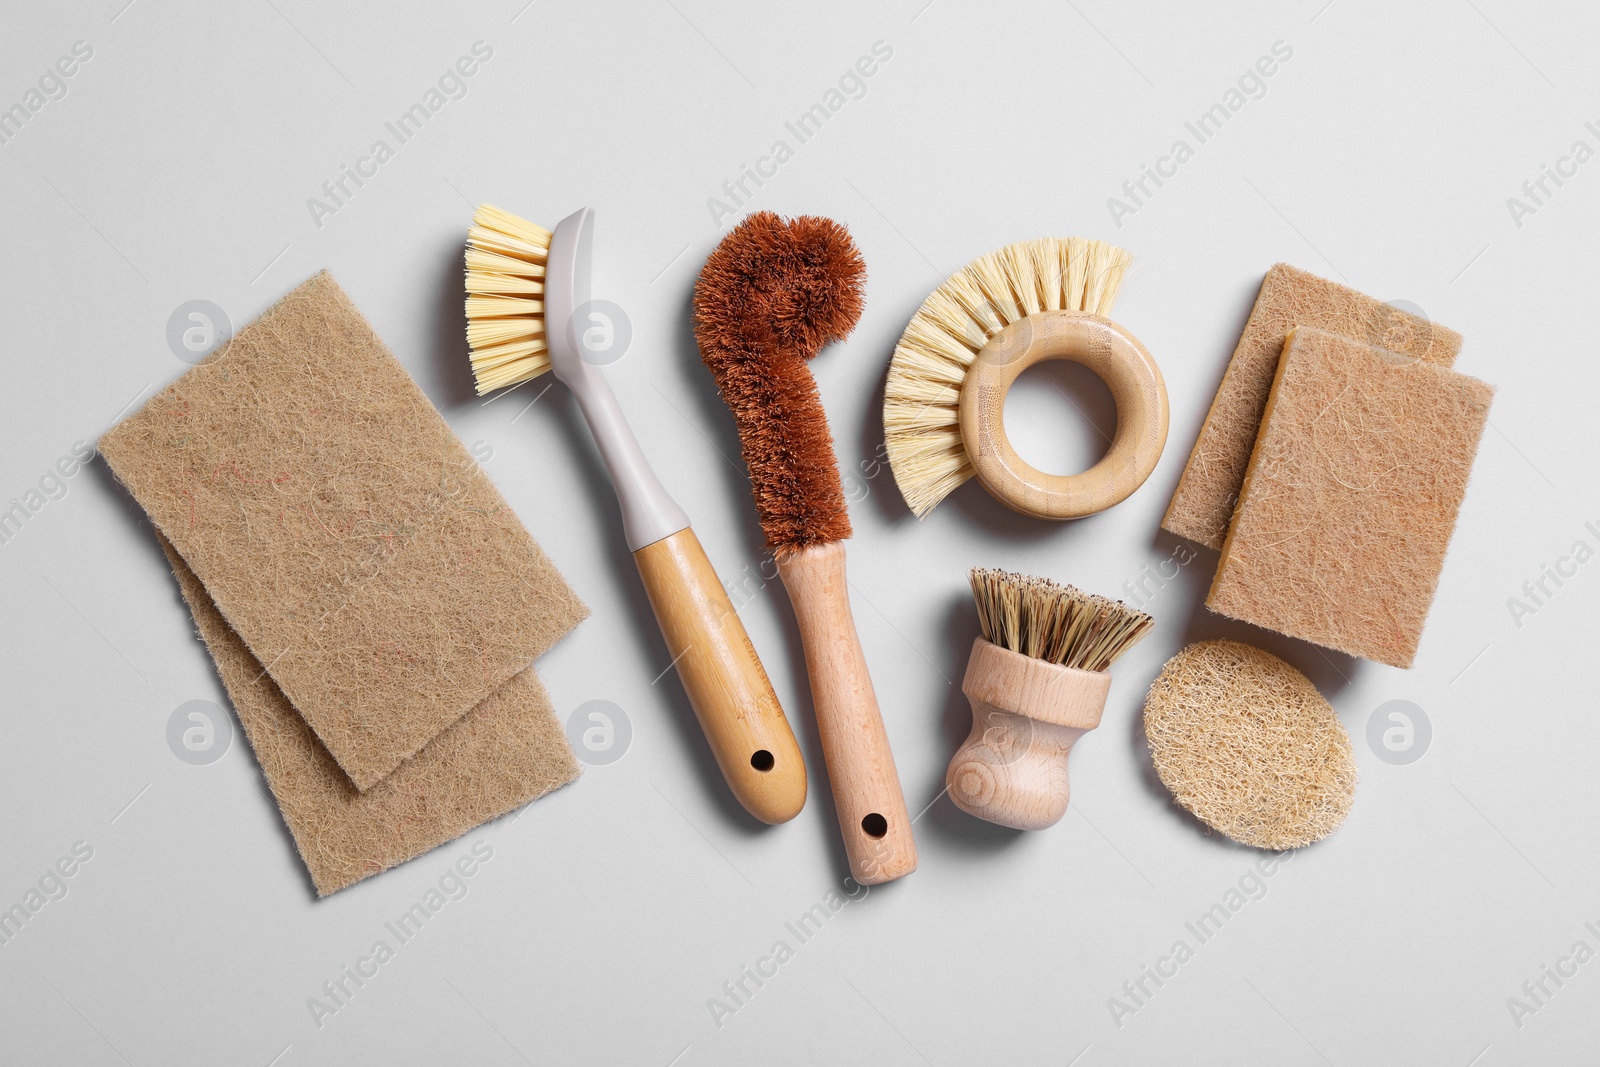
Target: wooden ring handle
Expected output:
[1136,387]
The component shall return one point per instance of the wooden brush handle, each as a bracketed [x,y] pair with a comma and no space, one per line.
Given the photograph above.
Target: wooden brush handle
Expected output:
[732,697]
[866,789]
[1026,716]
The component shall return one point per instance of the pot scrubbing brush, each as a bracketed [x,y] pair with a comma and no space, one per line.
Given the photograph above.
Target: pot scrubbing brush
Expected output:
[771,295]
[944,404]
[524,284]
[1037,680]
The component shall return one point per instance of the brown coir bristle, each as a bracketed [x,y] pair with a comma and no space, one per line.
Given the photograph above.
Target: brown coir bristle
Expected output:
[772,294]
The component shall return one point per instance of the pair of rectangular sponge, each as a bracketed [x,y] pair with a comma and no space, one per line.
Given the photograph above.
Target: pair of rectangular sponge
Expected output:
[371,602]
[1331,468]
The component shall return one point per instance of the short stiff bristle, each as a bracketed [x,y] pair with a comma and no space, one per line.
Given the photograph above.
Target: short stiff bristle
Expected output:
[770,296]
[921,404]
[505,323]
[1053,622]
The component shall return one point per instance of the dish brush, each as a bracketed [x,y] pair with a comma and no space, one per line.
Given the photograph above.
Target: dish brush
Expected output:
[944,403]
[771,295]
[1037,680]
[525,288]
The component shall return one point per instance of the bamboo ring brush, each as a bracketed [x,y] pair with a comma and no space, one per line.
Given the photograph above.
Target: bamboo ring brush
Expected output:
[524,285]
[1037,680]
[944,403]
[771,295]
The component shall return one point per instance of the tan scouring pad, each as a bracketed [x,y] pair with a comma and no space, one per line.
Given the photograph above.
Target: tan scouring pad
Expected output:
[1246,743]
[342,530]
[1211,481]
[500,755]
[1351,497]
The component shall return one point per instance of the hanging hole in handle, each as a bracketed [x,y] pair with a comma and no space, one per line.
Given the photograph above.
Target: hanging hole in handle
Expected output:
[762,760]
[875,825]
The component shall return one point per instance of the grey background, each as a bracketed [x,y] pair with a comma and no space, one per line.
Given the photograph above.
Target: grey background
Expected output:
[177,167]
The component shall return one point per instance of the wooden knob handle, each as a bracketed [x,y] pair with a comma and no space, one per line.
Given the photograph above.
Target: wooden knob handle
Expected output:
[731,695]
[1136,387]
[1026,716]
[866,788]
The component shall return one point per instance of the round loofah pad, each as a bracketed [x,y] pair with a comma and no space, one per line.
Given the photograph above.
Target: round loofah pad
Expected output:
[1247,744]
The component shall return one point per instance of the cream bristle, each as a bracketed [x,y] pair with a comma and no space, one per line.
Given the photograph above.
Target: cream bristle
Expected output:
[495,263]
[504,244]
[484,333]
[922,397]
[505,261]
[1053,622]
[502,284]
[492,218]
[493,307]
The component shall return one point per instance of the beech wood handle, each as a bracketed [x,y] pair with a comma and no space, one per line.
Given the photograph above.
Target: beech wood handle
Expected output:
[727,686]
[866,788]
[1026,716]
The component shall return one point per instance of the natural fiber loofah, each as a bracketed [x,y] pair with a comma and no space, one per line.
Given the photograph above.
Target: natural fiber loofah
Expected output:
[1204,501]
[1246,743]
[1351,498]
[503,753]
[342,530]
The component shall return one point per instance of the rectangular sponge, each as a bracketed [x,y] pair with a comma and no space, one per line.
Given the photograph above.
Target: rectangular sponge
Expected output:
[342,530]
[503,753]
[1350,496]
[1204,501]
